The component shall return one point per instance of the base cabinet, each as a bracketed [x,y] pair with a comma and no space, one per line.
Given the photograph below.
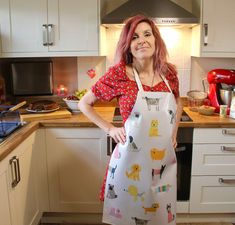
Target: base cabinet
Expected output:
[213,171]
[76,159]
[213,194]
[18,189]
[4,198]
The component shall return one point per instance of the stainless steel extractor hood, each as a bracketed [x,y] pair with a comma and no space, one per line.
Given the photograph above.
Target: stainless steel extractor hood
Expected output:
[162,11]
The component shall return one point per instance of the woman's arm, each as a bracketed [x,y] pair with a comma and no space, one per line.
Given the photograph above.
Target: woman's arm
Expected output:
[86,106]
[178,116]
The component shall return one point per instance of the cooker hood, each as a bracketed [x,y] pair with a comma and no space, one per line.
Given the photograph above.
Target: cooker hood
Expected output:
[164,12]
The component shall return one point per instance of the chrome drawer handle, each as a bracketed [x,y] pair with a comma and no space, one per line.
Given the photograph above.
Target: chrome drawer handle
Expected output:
[44,35]
[228,132]
[205,34]
[226,181]
[229,149]
[15,171]
[50,34]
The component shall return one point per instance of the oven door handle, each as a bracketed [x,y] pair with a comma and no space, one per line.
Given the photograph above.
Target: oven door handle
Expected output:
[180,149]
[109,145]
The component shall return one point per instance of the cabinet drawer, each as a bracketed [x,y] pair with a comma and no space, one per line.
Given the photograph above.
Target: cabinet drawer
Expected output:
[214,135]
[210,195]
[213,159]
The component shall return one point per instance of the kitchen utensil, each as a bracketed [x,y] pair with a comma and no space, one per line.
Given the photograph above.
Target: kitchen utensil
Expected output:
[218,79]
[223,111]
[206,110]
[10,119]
[17,106]
[232,108]
[226,96]
[42,106]
[72,104]
[196,98]
[58,114]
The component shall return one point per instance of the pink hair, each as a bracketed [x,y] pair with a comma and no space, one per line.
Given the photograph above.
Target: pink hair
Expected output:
[123,47]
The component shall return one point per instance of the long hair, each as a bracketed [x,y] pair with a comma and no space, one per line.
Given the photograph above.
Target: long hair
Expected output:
[123,53]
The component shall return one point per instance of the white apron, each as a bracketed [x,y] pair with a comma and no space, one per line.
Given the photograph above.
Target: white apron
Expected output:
[141,180]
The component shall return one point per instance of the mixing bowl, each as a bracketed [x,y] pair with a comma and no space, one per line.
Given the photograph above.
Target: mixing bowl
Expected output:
[226,96]
[196,98]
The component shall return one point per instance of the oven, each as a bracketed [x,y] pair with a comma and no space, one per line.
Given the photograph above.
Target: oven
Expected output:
[184,162]
[184,159]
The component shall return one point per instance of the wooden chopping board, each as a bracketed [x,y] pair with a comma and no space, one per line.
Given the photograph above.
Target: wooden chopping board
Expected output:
[61,113]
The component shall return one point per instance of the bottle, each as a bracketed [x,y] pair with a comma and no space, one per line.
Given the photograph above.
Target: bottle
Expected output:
[232,108]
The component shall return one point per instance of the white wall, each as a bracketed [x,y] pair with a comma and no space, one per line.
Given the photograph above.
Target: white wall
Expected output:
[86,63]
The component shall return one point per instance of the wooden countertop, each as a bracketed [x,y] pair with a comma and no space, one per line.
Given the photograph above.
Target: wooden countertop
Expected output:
[79,120]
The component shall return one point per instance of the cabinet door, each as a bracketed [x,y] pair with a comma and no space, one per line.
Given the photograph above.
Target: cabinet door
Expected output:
[210,194]
[4,200]
[219,17]
[21,25]
[76,165]
[23,202]
[75,25]
[40,169]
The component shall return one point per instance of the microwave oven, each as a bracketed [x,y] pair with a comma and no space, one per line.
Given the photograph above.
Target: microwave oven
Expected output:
[32,78]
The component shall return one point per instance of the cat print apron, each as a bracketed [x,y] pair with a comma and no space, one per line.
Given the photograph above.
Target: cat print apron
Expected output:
[141,179]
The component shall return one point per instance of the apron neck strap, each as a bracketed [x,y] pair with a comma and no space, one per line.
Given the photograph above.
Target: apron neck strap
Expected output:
[166,82]
[137,79]
[139,84]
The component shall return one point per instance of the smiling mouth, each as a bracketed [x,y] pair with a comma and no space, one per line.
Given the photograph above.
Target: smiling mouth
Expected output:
[142,48]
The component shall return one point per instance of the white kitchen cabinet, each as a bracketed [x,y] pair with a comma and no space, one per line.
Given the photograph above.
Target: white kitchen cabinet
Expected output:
[4,202]
[76,159]
[21,26]
[49,27]
[214,37]
[19,203]
[22,196]
[213,171]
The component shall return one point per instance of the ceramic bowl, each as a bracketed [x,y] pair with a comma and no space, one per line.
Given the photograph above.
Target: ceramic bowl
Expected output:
[206,110]
[72,104]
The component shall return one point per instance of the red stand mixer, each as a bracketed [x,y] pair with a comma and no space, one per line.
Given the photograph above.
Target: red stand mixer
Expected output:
[220,79]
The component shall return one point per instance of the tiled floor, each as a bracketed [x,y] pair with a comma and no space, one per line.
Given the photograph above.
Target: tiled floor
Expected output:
[204,224]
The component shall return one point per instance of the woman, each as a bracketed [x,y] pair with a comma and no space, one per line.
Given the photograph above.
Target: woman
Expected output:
[141,176]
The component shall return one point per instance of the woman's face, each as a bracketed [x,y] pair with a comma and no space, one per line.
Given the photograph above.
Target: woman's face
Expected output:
[143,42]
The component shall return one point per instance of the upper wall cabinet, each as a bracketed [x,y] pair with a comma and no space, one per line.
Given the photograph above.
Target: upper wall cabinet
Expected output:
[214,37]
[49,27]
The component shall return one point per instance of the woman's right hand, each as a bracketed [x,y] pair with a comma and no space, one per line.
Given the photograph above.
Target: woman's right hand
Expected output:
[118,134]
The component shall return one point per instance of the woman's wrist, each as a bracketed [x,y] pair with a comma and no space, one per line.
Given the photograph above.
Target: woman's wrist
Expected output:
[108,129]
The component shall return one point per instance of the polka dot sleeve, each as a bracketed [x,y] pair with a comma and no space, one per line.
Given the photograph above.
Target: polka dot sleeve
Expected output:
[106,88]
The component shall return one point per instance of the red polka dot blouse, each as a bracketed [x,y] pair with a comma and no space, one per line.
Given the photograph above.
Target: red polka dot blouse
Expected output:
[116,84]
